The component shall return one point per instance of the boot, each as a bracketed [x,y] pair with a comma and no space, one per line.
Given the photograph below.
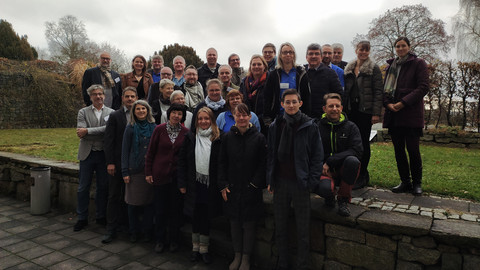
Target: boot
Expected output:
[204,242]
[343,207]
[236,261]
[417,188]
[404,187]
[245,265]
[195,256]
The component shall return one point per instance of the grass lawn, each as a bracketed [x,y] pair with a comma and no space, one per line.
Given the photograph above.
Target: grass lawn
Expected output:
[446,171]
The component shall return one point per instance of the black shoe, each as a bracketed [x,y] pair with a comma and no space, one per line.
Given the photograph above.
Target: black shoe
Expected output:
[206,258]
[108,238]
[417,189]
[330,202]
[173,246]
[80,225]
[195,256]
[101,221]
[404,187]
[133,237]
[343,208]
[159,248]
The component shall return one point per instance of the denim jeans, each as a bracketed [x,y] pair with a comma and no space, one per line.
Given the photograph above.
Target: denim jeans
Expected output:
[95,162]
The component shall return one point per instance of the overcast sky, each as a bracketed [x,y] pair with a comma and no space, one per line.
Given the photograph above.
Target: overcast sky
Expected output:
[243,27]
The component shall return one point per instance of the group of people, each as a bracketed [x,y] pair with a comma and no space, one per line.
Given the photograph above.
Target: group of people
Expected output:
[200,143]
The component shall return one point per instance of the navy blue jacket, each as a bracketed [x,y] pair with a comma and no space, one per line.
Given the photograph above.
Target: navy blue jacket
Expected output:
[94,76]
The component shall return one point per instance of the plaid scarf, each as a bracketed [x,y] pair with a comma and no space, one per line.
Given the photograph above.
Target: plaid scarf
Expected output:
[108,77]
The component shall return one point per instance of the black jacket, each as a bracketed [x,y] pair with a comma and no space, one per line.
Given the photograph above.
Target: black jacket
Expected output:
[94,76]
[242,170]
[308,153]
[154,92]
[272,96]
[187,172]
[323,80]
[205,74]
[113,138]
[346,140]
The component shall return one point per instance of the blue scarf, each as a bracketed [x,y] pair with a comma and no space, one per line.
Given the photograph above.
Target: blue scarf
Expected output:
[141,129]
[215,105]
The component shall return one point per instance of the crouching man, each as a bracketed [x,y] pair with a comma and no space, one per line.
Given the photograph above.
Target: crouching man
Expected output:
[342,146]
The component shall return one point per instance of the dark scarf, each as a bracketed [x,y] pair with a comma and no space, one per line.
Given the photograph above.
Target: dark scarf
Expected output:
[141,128]
[285,145]
[108,77]
[392,76]
[165,101]
[173,131]
[252,85]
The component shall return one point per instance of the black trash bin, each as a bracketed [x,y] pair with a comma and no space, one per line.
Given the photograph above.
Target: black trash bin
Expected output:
[40,190]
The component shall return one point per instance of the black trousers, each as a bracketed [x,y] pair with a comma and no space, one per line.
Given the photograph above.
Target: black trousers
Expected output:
[116,206]
[168,205]
[364,124]
[401,138]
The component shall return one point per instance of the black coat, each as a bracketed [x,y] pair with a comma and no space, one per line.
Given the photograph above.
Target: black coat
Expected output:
[242,171]
[113,138]
[323,80]
[187,172]
[94,76]
[205,74]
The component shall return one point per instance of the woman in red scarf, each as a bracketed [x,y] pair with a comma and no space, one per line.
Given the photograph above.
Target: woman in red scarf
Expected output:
[252,85]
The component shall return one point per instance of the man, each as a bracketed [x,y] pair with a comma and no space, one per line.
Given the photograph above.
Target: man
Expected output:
[323,80]
[109,79]
[237,72]
[116,207]
[194,93]
[342,147]
[225,76]
[327,53]
[269,52]
[209,70]
[90,129]
[154,90]
[338,55]
[157,65]
[179,67]
[294,167]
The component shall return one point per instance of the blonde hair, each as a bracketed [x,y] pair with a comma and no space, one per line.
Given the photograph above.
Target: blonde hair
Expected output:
[213,124]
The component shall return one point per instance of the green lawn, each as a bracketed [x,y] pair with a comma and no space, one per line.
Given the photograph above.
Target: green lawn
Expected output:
[446,171]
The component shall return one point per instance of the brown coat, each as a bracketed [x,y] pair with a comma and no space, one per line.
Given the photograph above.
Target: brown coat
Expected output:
[128,79]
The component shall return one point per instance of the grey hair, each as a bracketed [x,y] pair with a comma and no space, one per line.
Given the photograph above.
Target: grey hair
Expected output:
[130,88]
[164,82]
[337,46]
[177,57]
[175,93]
[217,81]
[94,87]
[133,118]
[157,56]
[225,66]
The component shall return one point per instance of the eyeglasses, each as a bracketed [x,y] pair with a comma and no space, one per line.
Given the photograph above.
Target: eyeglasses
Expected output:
[313,53]
[288,52]
[235,60]
[268,52]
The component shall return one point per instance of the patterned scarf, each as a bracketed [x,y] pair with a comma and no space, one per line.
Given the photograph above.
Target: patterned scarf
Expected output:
[173,131]
[108,77]
[392,76]
[252,85]
[215,105]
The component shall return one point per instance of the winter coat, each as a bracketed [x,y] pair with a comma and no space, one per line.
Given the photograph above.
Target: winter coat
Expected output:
[128,79]
[187,173]
[272,96]
[308,153]
[340,140]
[242,171]
[323,80]
[412,86]
[256,102]
[205,74]
[370,87]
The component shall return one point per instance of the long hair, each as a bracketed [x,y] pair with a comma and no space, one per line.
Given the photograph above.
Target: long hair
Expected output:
[264,62]
[134,119]
[213,125]
[280,61]
[143,60]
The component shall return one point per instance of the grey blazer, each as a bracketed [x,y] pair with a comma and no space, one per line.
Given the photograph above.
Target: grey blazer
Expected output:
[86,119]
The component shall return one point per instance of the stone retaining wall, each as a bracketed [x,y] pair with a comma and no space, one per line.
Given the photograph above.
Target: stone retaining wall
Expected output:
[368,239]
[448,138]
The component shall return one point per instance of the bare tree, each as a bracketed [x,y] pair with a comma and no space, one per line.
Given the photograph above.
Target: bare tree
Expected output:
[451,83]
[427,36]
[469,73]
[466,27]
[66,39]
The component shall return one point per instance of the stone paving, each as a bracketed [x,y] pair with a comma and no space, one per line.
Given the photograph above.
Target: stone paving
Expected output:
[49,242]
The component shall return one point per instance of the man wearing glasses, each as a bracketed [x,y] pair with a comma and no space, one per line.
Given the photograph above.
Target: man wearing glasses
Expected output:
[109,79]
[154,90]
[237,72]
[269,52]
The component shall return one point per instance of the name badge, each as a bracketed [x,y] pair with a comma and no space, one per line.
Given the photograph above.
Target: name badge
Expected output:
[284,86]
[106,118]
[117,80]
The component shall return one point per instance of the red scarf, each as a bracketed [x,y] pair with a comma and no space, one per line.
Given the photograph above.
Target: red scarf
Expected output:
[252,85]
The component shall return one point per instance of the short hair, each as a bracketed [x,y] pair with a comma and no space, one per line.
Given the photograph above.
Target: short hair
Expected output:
[337,46]
[179,108]
[270,45]
[213,125]
[327,45]
[291,91]
[94,87]
[225,66]
[157,56]
[242,108]
[130,88]
[331,96]
[364,45]
[232,55]
[133,117]
[175,93]
[178,57]
[264,62]
[402,38]
[314,47]
[191,67]
[211,81]
[211,48]
[143,60]
[233,93]
[280,61]
[164,82]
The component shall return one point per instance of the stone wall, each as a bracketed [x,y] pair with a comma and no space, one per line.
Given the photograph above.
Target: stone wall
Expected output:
[369,239]
[450,138]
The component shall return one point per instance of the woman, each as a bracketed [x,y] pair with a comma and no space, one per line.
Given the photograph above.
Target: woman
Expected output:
[197,179]
[225,120]
[214,99]
[161,172]
[241,180]
[138,78]
[406,84]
[252,86]
[177,96]
[138,193]
[363,101]
[287,75]
[161,105]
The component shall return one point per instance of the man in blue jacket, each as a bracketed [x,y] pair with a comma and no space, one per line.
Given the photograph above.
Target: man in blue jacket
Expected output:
[294,167]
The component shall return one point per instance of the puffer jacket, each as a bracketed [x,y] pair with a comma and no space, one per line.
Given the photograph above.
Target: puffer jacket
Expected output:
[370,87]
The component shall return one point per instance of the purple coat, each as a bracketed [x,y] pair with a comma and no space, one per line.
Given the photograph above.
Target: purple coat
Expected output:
[412,86]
